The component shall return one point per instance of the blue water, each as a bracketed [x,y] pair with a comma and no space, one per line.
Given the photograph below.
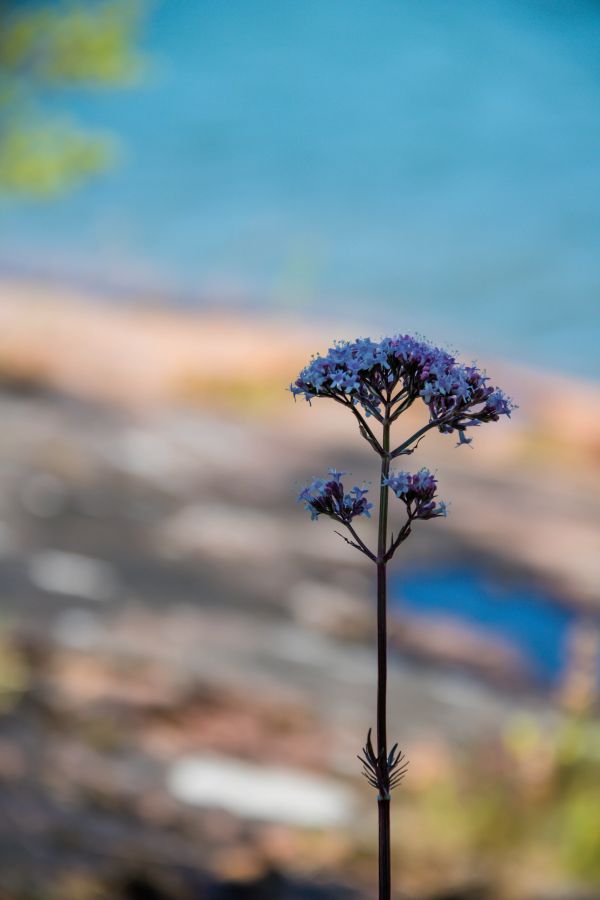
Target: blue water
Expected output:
[519,614]
[431,166]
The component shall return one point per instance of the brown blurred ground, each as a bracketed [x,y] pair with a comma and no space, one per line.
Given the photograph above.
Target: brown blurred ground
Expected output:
[163,597]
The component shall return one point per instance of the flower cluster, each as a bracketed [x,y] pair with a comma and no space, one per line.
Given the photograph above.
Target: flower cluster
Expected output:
[417,492]
[392,373]
[326,497]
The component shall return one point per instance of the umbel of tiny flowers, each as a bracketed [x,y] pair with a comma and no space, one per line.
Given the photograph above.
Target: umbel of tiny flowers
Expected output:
[382,379]
[378,381]
[326,497]
[418,493]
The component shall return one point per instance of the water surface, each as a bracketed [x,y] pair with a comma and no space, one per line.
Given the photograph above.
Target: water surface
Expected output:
[516,612]
[426,166]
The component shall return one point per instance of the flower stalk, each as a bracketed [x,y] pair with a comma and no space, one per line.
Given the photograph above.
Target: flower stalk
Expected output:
[382,595]
[383,800]
[384,379]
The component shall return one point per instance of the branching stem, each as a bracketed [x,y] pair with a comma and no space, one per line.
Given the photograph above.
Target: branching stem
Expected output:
[358,543]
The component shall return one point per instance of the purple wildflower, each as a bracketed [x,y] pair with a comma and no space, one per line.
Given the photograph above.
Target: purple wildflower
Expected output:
[326,497]
[382,379]
[394,372]
[418,493]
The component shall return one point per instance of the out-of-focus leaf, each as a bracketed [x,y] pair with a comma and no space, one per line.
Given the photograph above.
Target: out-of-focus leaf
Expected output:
[42,158]
[50,46]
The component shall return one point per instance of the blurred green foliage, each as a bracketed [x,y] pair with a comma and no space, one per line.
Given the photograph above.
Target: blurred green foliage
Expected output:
[530,803]
[47,48]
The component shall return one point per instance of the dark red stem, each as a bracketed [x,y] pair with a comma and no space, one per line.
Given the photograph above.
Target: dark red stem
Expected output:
[383,802]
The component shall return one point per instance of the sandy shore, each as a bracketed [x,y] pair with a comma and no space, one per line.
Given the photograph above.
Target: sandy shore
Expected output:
[137,353]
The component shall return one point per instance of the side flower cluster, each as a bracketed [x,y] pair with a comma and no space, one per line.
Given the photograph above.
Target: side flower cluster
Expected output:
[326,497]
[418,493]
[396,371]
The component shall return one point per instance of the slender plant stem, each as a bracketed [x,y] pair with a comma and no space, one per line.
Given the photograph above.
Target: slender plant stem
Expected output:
[385,876]
[383,802]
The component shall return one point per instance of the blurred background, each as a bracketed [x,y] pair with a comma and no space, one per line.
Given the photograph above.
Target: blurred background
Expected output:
[194,197]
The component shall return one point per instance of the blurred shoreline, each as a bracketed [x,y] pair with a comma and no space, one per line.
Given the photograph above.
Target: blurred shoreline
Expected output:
[24,295]
[143,359]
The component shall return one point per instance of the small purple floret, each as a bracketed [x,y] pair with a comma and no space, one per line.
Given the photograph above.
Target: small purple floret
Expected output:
[418,493]
[326,497]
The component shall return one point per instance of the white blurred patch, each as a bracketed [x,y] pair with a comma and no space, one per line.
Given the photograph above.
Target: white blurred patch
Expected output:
[223,531]
[273,794]
[69,573]
[146,454]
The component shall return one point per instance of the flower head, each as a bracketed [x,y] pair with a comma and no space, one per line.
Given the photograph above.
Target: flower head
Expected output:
[417,492]
[326,497]
[396,371]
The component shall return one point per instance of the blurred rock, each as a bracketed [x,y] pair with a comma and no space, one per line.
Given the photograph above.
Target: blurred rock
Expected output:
[257,792]
[71,574]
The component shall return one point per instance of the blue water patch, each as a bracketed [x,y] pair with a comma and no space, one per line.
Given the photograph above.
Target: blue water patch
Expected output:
[416,166]
[516,613]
